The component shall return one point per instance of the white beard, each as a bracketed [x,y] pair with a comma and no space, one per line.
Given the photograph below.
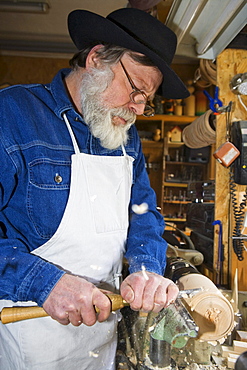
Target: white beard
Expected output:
[98,116]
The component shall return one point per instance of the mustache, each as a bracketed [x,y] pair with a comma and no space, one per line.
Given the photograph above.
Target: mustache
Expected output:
[124,113]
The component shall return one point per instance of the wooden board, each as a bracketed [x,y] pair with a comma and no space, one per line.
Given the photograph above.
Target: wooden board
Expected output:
[229,63]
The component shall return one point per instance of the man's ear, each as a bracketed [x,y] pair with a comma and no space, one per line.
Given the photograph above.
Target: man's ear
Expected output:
[92,58]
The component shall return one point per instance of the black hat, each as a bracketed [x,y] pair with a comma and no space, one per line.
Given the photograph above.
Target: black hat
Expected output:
[132,29]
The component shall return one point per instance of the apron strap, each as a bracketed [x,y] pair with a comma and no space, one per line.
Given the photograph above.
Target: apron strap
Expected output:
[75,145]
[124,151]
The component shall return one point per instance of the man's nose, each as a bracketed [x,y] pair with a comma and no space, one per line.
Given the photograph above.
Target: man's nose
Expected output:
[138,109]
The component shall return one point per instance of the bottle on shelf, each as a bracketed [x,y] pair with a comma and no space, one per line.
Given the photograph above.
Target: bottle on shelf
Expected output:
[178,107]
[201,102]
[169,106]
[189,103]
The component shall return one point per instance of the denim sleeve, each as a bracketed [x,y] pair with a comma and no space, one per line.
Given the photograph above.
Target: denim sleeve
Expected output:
[24,276]
[145,246]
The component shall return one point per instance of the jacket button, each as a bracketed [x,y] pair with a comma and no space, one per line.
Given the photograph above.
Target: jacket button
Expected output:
[58,178]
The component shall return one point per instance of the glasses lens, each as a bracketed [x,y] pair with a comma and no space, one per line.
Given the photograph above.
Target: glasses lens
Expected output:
[138,97]
[148,111]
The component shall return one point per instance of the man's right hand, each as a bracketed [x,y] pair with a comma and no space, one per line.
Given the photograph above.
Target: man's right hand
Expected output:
[73,300]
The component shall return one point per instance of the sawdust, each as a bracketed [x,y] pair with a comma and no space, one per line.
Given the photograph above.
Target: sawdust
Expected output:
[140,209]
[192,366]
[195,366]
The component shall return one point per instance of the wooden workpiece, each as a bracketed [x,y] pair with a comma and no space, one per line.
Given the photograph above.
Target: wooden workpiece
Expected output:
[211,311]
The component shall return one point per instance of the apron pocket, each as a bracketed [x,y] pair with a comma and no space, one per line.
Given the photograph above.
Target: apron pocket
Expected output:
[108,190]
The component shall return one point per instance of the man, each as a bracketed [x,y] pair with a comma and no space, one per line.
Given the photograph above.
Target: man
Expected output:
[72,168]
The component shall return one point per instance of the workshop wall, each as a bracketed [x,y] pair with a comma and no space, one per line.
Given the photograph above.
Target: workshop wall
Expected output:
[229,63]
[27,69]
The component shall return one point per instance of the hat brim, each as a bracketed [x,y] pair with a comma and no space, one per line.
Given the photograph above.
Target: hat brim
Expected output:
[86,28]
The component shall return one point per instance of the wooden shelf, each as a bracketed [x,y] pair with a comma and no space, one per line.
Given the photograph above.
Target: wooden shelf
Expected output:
[156,153]
[176,184]
[152,143]
[177,201]
[175,219]
[178,120]
[174,144]
[186,163]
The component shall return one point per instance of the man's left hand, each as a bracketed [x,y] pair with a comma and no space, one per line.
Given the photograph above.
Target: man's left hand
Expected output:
[148,291]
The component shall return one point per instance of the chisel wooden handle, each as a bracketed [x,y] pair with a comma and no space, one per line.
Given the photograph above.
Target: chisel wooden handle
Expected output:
[13,314]
[18,313]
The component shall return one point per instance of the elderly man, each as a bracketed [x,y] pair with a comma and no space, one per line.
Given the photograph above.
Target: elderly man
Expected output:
[72,170]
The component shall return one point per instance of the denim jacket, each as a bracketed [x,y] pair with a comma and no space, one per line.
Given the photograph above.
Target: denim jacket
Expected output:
[35,147]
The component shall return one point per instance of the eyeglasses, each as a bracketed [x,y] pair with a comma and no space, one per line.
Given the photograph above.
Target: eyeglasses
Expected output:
[138,97]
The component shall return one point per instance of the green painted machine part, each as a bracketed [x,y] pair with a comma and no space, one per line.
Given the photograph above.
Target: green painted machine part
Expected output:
[174,325]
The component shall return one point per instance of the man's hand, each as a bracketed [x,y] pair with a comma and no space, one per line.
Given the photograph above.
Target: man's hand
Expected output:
[148,291]
[73,300]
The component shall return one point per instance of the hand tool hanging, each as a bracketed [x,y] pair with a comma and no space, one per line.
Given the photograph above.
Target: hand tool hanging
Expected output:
[219,265]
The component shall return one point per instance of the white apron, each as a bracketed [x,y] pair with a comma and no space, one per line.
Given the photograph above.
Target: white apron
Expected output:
[89,242]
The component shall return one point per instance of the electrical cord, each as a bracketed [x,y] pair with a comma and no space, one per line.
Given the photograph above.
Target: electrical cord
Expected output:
[241,102]
[184,237]
[239,215]
[205,75]
[208,70]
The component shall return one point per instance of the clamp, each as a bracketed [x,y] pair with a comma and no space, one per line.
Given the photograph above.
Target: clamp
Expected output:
[215,103]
